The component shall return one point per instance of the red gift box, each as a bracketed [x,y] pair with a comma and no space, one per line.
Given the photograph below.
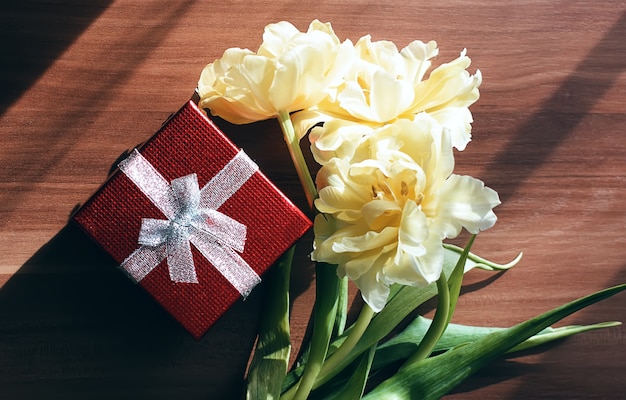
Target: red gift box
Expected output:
[191,218]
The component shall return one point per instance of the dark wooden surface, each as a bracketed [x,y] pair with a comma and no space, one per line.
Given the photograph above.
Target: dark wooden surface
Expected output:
[81,82]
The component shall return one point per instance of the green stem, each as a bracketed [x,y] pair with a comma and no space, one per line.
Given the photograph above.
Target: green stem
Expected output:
[437,326]
[324,314]
[355,333]
[293,143]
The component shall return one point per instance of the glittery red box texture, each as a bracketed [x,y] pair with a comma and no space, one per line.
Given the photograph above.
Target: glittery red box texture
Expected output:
[189,143]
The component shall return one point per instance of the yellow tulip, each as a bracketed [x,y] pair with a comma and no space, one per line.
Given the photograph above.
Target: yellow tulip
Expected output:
[387,209]
[384,85]
[291,71]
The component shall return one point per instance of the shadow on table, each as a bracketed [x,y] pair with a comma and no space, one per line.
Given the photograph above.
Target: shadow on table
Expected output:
[46,29]
[74,325]
[35,35]
[548,369]
[585,86]
[545,130]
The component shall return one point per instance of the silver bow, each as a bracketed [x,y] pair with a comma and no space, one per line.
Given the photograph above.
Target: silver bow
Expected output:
[192,218]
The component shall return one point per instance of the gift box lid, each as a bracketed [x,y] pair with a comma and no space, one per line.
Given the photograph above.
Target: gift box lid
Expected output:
[191,218]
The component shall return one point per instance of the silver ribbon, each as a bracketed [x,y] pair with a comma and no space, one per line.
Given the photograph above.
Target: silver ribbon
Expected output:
[192,218]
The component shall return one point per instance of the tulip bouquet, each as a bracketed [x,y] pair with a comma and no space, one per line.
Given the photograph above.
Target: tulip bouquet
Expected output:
[383,125]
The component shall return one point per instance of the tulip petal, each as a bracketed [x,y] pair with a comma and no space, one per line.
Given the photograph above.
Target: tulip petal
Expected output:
[373,291]
[465,203]
[389,97]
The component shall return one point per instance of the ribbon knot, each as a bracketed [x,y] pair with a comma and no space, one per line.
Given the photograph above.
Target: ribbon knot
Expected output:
[192,218]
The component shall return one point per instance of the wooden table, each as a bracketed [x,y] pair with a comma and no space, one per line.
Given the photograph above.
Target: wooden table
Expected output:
[81,82]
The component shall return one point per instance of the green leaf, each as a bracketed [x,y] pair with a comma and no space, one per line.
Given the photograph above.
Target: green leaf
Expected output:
[324,312]
[342,308]
[405,299]
[475,261]
[398,348]
[401,302]
[551,334]
[296,372]
[435,376]
[401,346]
[353,390]
[271,356]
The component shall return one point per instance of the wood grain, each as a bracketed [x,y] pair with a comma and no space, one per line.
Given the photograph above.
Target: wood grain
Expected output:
[82,82]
